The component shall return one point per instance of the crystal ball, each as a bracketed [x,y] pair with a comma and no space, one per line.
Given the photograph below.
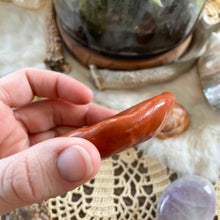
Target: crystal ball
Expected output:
[187,198]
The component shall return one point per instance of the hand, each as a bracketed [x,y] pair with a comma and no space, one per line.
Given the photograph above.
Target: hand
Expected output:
[34,165]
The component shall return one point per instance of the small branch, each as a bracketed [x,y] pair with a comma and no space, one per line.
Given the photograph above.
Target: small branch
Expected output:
[54,55]
[108,79]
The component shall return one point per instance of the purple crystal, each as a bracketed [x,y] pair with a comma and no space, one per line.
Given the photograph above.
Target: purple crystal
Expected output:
[187,198]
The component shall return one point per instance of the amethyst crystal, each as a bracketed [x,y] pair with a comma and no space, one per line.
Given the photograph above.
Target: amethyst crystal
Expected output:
[187,198]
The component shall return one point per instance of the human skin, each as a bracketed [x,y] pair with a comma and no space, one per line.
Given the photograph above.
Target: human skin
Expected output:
[36,164]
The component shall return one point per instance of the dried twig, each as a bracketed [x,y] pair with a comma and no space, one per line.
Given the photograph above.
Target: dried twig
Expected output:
[107,79]
[54,57]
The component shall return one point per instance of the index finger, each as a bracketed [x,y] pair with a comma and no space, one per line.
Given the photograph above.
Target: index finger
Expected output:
[19,88]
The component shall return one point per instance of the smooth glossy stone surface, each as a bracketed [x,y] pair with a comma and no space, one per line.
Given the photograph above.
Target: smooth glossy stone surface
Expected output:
[209,72]
[187,198]
[211,89]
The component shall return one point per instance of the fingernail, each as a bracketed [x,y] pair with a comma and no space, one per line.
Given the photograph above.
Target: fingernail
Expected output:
[74,164]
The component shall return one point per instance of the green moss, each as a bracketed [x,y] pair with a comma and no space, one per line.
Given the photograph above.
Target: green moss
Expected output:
[158,2]
[94,13]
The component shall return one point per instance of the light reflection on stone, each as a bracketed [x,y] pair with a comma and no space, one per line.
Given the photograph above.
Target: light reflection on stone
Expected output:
[211,89]
[209,72]
[187,198]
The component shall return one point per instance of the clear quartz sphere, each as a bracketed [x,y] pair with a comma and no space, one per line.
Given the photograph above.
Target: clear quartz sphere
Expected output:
[187,198]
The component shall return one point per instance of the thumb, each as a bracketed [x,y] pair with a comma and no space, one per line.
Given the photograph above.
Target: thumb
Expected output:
[46,170]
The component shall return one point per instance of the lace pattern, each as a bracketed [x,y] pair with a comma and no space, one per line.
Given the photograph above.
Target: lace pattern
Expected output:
[127,186]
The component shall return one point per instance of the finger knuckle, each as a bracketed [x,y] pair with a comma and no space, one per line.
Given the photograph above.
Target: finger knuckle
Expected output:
[21,181]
